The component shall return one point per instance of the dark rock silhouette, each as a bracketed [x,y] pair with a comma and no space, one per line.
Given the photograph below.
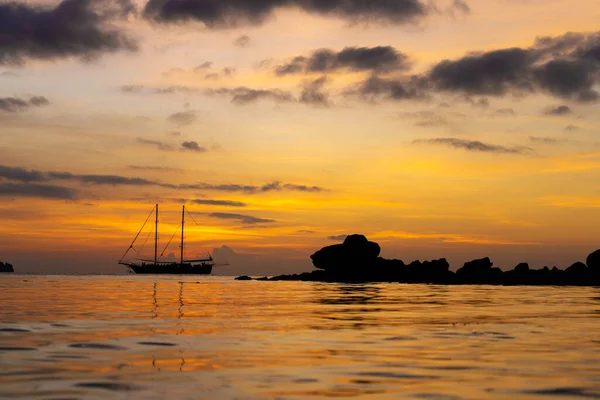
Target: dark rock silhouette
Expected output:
[357,261]
[593,261]
[243,278]
[6,267]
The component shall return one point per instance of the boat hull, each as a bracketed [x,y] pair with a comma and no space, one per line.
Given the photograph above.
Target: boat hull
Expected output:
[171,269]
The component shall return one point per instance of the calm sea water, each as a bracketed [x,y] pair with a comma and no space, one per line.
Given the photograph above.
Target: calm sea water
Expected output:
[134,337]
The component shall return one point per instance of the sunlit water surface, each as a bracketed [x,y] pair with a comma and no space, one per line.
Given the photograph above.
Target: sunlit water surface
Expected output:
[135,337]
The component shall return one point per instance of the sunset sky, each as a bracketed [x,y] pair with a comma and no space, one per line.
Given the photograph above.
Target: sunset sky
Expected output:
[457,129]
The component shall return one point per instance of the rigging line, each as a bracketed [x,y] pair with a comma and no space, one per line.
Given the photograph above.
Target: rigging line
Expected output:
[138,234]
[165,249]
[193,219]
[144,244]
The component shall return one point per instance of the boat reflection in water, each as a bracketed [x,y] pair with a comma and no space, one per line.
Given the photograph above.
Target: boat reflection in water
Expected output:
[201,266]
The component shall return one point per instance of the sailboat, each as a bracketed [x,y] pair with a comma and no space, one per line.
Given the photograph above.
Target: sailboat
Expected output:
[155,266]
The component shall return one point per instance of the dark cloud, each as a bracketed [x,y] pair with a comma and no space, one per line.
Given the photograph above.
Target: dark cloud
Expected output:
[235,13]
[158,144]
[243,41]
[476,146]
[176,89]
[183,118]
[21,174]
[269,187]
[243,95]
[36,190]
[374,59]
[73,28]
[192,146]
[313,94]
[245,219]
[393,89]
[559,110]
[223,203]
[491,73]
[563,66]
[13,104]
[337,237]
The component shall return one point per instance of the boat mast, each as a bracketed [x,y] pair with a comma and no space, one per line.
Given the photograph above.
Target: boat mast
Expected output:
[156,237]
[182,229]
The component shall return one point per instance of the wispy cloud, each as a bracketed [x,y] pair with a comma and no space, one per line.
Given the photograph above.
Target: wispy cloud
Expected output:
[476,146]
[244,219]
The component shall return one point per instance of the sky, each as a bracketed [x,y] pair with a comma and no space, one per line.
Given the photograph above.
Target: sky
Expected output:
[457,129]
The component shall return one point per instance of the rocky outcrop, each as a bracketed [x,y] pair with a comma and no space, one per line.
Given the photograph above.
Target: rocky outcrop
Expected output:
[5,267]
[593,261]
[243,278]
[357,260]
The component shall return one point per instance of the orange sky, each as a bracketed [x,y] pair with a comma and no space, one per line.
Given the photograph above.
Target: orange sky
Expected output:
[460,171]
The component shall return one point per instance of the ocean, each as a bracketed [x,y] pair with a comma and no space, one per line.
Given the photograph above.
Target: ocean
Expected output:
[172,337]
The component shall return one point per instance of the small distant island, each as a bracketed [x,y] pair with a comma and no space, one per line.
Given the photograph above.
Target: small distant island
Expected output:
[6,267]
[357,260]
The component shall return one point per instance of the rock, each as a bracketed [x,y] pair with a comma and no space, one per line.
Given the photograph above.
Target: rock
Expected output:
[355,254]
[523,267]
[243,278]
[479,271]
[577,268]
[593,261]
[6,267]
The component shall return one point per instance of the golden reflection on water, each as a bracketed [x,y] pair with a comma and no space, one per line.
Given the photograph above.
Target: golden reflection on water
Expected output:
[177,338]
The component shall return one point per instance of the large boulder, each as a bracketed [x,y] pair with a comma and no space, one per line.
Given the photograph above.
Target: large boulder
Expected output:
[355,254]
[6,267]
[479,271]
[593,261]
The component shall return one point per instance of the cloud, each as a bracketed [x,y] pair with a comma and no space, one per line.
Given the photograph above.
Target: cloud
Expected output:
[375,87]
[571,128]
[559,110]
[192,146]
[204,66]
[337,237]
[243,41]
[505,112]
[426,118]
[236,13]
[245,219]
[33,176]
[21,174]
[152,168]
[269,187]
[306,231]
[563,66]
[313,94]
[373,59]
[13,104]
[243,95]
[159,145]
[132,88]
[72,28]
[183,118]
[36,190]
[223,203]
[543,140]
[475,146]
